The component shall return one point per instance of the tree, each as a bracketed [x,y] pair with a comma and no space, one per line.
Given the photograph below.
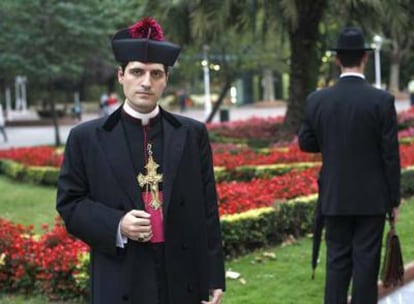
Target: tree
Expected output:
[238,36]
[303,19]
[51,41]
[399,35]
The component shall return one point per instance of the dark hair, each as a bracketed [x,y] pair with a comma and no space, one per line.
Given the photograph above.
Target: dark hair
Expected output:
[124,64]
[350,59]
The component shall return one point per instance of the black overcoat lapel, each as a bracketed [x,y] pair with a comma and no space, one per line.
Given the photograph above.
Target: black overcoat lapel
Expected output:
[174,141]
[113,142]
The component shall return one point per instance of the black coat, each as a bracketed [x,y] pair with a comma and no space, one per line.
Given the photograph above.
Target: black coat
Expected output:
[97,186]
[354,126]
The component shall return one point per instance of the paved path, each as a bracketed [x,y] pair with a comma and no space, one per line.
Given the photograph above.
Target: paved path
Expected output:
[45,135]
[403,295]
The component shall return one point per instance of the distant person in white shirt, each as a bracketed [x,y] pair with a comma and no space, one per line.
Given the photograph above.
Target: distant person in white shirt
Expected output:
[411,90]
[2,124]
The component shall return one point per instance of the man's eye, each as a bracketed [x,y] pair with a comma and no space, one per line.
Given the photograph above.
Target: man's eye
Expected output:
[137,72]
[157,74]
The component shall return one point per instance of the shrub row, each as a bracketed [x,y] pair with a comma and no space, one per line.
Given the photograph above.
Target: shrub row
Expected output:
[48,175]
[31,174]
[247,231]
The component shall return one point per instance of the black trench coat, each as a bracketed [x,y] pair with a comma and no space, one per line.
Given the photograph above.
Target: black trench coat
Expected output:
[97,186]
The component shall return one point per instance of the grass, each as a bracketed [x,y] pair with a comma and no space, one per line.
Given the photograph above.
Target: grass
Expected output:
[285,279]
[27,204]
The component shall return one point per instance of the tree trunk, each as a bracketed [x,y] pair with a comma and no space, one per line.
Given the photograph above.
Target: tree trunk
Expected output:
[305,60]
[55,120]
[223,93]
[394,84]
[268,85]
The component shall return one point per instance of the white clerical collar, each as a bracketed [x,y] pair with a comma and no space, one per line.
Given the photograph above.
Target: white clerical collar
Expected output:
[144,117]
[352,74]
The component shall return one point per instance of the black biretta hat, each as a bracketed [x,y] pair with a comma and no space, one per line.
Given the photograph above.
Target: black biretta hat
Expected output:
[351,39]
[144,41]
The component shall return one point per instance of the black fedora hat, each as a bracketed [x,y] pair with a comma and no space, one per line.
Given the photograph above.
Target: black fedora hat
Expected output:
[144,41]
[351,39]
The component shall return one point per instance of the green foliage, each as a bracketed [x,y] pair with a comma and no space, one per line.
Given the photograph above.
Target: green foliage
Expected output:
[12,169]
[31,174]
[54,40]
[407,182]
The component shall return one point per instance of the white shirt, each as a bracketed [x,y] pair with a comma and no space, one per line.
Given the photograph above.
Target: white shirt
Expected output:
[144,117]
[352,74]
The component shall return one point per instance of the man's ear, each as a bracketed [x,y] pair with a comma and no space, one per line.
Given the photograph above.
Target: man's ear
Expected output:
[365,58]
[120,75]
[337,61]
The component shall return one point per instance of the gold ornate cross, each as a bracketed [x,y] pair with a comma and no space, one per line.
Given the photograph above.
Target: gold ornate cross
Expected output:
[151,180]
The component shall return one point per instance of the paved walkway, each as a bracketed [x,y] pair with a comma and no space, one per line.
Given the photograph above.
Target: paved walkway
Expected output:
[403,295]
[45,135]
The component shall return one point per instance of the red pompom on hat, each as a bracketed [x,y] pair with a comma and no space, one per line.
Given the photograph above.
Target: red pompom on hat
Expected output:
[144,41]
[146,28]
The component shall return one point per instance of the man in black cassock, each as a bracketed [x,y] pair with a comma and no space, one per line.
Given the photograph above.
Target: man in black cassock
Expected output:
[138,187]
[354,126]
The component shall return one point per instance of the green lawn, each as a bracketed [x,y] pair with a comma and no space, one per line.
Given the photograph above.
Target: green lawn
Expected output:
[27,204]
[286,279]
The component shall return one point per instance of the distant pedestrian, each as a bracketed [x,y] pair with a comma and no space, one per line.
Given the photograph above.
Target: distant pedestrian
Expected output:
[2,124]
[103,104]
[182,100]
[113,102]
[411,90]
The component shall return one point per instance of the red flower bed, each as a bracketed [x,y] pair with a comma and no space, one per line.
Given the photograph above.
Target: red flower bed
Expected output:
[254,127]
[407,155]
[409,132]
[34,156]
[236,197]
[244,156]
[406,117]
[46,264]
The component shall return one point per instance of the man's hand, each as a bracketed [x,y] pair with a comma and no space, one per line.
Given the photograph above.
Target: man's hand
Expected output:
[216,295]
[136,225]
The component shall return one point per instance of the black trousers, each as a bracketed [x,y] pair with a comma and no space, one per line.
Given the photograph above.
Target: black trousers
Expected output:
[159,259]
[353,251]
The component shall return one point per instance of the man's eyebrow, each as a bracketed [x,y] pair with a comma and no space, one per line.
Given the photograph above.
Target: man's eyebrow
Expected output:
[150,70]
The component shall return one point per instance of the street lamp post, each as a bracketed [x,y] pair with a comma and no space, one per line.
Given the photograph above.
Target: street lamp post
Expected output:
[377,44]
[206,70]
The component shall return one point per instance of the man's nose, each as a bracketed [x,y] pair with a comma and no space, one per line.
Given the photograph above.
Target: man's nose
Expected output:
[146,80]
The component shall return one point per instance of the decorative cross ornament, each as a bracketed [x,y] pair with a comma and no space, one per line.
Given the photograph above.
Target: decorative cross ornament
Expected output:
[151,180]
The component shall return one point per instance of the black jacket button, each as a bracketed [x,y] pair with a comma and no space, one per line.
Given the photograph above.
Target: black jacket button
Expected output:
[125,297]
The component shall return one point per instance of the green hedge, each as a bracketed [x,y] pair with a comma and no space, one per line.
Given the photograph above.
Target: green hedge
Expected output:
[49,175]
[257,228]
[31,174]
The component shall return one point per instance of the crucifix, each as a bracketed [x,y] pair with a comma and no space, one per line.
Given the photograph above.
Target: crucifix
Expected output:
[151,179]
